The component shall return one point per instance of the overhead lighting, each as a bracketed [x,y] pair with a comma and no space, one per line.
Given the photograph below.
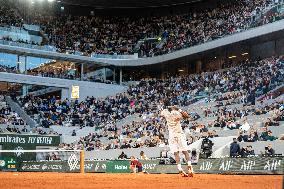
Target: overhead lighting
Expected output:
[245,54]
[215,57]
[230,57]
[180,70]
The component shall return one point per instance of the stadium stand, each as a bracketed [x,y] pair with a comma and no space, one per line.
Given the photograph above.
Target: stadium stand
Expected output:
[122,36]
[12,122]
[228,107]
[8,116]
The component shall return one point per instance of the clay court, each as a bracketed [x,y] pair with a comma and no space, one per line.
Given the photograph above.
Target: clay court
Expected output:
[127,181]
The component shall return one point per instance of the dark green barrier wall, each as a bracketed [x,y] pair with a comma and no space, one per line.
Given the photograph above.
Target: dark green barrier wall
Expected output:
[259,165]
[255,165]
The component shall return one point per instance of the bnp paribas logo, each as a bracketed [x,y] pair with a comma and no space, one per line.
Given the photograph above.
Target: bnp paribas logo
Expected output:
[120,167]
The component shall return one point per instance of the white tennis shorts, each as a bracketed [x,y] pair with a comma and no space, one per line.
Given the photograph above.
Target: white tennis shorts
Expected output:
[177,143]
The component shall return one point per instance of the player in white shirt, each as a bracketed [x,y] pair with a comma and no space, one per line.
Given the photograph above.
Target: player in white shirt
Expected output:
[177,138]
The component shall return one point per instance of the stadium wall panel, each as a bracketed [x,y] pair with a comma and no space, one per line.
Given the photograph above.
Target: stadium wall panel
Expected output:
[263,50]
[280,46]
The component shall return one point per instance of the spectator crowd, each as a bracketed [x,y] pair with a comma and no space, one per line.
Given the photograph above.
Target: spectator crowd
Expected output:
[120,35]
[231,87]
[240,84]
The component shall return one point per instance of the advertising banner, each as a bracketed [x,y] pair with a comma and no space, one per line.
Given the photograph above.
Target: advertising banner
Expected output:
[8,164]
[150,165]
[253,165]
[25,142]
[118,166]
[75,93]
[62,166]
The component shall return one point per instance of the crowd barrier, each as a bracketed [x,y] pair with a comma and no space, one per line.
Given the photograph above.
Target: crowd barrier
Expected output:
[252,165]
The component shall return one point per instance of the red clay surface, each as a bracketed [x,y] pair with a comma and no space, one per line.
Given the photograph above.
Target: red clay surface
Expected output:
[138,181]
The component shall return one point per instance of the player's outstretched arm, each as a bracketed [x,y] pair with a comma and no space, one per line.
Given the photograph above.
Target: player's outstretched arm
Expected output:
[183,113]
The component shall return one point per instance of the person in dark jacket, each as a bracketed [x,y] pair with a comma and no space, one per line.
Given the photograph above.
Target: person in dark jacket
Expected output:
[250,151]
[235,148]
[122,156]
[269,150]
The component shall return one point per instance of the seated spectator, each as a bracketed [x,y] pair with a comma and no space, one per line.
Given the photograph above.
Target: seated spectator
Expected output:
[234,148]
[252,137]
[247,151]
[212,134]
[231,125]
[242,137]
[269,151]
[270,122]
[245,127]
[264,134]
[194,156]
[143,156]
[122,156]
[74,133]
[270,137]
[250,151]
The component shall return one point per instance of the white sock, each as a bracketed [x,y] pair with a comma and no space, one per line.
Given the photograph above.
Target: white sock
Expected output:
[179,167]
[189,163]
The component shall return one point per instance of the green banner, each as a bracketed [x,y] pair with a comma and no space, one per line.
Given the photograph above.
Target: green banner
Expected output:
[118,166]
[253,165]
[8,164]
[25,142]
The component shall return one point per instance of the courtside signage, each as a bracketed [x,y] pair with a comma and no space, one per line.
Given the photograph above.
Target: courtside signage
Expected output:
[26,142]
[254,165]
[20,139]
[118,166]
[8,164]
